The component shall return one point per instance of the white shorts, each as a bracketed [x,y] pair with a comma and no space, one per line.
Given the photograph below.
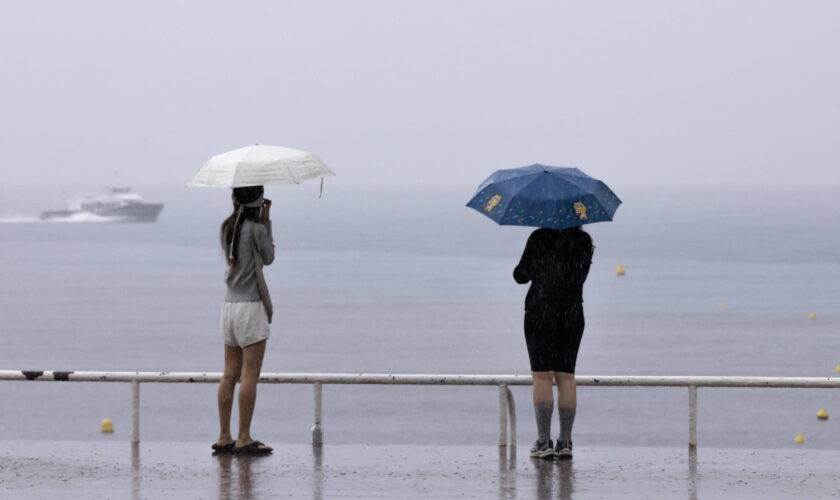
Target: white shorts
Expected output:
[244,323]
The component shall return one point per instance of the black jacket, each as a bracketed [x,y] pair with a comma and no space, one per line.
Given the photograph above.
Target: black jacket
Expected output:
[556,262]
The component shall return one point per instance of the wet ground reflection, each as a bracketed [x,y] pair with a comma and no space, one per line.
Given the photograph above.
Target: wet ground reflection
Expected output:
[317,472]
[507,472]
[80,470]
[225,480]
[553,479]
[239,477]
[236,478]
[136,477]
[692,474]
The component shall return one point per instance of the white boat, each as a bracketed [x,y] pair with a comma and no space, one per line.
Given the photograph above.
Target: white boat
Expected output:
[118,204]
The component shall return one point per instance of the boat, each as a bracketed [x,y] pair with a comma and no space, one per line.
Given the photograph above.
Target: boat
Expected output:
[117,204]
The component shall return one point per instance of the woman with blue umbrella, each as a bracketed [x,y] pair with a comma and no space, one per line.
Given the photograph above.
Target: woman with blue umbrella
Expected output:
[556,262]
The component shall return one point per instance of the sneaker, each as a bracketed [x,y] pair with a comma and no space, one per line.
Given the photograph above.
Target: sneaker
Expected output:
[563,450]
[542,449]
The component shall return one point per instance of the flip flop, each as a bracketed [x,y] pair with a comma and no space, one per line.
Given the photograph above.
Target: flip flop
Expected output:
[255,448]
[223,449]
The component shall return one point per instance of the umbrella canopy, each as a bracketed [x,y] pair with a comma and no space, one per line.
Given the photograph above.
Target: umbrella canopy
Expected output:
[543,196]
[260,165]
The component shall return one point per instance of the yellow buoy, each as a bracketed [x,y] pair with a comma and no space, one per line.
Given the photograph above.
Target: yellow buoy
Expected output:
[107,426]
[799,438]
[837,368]
[812,316]
[822,414]
[619,270]
[722,305]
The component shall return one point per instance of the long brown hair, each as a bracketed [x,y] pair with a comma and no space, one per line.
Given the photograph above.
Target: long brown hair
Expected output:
[232,226]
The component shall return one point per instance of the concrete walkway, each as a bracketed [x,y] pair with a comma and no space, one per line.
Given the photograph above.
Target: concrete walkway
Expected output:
[92,470]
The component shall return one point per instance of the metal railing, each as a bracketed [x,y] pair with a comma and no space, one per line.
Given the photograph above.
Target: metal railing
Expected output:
[507,407]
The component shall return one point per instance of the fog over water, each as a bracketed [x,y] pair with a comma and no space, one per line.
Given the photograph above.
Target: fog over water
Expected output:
[433,91]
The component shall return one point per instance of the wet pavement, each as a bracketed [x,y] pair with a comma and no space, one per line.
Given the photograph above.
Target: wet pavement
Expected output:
[92,470]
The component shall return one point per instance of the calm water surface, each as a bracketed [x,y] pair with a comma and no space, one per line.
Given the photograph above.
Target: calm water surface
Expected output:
[397,280]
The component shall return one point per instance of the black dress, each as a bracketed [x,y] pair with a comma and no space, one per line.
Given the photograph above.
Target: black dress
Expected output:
[556,262]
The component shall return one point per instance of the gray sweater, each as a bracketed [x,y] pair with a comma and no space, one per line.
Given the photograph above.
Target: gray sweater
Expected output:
[241,277]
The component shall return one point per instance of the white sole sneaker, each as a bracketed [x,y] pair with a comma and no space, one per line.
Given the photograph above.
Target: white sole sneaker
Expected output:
[549,453]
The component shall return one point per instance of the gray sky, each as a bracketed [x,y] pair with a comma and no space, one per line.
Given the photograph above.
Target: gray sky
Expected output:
[423,91]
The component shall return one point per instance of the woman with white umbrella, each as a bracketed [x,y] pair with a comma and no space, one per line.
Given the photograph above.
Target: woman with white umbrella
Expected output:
[248,245]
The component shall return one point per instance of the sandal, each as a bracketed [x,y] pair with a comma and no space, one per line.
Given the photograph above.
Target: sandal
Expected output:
[223,449]
[254,448]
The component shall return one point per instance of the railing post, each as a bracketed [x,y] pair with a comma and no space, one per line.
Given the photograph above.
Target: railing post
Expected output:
[511,405]
[692,416]
[317,434]
[135,412]
[503,415]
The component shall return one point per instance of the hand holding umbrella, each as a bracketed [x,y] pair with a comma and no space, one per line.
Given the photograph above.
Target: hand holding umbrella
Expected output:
[266,209]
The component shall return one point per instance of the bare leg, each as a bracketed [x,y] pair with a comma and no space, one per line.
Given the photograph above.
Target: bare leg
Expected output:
[233,367]
[252,358]
[566,390]
[542,387]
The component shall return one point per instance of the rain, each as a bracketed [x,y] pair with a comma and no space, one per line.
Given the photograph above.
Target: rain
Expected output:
[671,213]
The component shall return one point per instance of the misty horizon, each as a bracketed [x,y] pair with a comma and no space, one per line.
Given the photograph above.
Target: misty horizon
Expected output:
[653,93]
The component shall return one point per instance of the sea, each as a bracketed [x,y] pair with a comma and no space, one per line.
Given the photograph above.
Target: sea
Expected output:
[405,279]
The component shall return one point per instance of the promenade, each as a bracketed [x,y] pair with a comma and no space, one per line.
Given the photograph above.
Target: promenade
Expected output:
[116,470]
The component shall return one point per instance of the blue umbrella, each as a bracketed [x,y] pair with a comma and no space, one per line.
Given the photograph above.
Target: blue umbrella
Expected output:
[543,196]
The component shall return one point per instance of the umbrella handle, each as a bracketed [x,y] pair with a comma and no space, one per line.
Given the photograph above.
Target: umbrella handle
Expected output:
[321,193]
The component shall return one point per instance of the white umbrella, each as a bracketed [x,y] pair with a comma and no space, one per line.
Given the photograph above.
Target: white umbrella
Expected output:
[259,165]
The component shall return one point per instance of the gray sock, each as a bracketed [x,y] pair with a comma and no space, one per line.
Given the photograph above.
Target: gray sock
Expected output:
[567,419]
[543,413]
